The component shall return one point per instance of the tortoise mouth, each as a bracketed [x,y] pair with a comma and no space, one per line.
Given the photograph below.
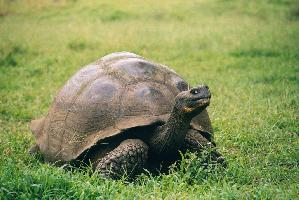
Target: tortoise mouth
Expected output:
[197,105]
[201,101]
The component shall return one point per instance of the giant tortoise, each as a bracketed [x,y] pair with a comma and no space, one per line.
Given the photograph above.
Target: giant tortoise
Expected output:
[122,111]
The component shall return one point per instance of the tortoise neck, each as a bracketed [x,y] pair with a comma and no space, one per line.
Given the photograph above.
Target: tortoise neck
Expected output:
[168,138]
[177,124]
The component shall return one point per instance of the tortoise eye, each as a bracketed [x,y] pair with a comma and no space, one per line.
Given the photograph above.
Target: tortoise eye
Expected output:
[194,91]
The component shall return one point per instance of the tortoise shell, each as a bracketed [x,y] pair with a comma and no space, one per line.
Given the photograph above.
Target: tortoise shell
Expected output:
[117,92]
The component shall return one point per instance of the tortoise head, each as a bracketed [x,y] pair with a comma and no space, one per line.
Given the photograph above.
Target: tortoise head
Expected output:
[193,101]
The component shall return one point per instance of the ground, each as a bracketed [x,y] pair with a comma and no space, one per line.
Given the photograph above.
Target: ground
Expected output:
[246,51]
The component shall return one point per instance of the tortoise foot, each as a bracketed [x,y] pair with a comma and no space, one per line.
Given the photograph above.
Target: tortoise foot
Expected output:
[127,159]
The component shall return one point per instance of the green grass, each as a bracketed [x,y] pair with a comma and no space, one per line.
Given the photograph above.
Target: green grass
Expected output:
[246,51]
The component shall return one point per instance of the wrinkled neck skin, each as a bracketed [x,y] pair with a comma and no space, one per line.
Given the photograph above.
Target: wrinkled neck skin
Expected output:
[168,138]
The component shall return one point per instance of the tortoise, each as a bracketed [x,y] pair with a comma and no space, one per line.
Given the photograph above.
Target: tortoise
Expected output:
[122,111]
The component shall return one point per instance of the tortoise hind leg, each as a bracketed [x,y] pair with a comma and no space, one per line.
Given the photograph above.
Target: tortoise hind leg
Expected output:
[36,126]
[129,157]
[34,150]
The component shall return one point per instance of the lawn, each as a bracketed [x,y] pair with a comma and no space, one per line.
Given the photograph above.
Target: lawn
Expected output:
[246,51]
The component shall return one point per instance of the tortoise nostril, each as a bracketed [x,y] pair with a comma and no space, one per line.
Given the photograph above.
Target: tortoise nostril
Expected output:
[204,87]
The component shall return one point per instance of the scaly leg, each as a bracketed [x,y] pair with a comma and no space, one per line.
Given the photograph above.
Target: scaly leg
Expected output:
[129,157]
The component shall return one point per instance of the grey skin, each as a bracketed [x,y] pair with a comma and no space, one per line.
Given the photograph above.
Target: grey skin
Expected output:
[167,139]
[122,113]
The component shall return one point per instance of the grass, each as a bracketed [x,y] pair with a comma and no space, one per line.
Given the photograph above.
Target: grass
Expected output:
[246,51]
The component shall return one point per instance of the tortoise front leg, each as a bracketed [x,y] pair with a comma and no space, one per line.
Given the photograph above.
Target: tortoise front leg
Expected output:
[196,142]
[129,157]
